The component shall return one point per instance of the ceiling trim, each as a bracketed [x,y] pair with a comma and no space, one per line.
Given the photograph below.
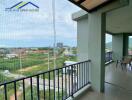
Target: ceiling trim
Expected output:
[78,3]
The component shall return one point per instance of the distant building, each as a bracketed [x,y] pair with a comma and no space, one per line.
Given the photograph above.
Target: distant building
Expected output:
[37,51]
[11,55]
[59,45]
[34,48]
[3,51]
[21,51]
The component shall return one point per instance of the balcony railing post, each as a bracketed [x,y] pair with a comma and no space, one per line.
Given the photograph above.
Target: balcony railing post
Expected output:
[77,77]
[31,88]
[49,86]
[54,78]
[72,81]
[62,82]
[15,90]
[23,89]
[65,82]
[58,86]
[69,81]
[44,84]
[38,93]
[5,91]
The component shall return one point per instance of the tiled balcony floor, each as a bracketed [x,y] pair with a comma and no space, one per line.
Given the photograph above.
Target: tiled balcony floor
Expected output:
[120,87]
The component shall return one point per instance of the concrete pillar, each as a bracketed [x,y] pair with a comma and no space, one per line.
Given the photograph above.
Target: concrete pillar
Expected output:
[117,46]
[82,40]
[91,45]
[96,49]
[125,44]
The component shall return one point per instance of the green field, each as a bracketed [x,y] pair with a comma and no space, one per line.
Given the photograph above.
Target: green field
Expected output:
[4,78]
[36,62]
[27,61]
[44,67]
[30,64]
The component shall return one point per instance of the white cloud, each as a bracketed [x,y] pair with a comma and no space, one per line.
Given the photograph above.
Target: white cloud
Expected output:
[3,46]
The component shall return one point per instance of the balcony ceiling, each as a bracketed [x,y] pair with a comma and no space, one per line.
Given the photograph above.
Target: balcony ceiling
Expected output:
[91,5]
[120,20]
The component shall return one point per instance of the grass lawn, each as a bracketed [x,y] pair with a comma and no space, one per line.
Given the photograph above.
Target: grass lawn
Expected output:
[4,78]
[44,67]
[33,63]
[26,61]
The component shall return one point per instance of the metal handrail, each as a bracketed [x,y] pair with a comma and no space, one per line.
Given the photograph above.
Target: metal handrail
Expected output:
[66,81]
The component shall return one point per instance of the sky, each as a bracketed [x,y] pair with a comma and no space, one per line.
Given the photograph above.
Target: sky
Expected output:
[35,29]
[108,38]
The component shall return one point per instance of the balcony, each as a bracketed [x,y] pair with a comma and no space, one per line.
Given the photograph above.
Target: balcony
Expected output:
[60,83]
[117,85]
[56,84]
[66,82]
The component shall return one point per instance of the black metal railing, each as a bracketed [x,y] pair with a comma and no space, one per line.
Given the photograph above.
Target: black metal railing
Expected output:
[56,84]
[108,56]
